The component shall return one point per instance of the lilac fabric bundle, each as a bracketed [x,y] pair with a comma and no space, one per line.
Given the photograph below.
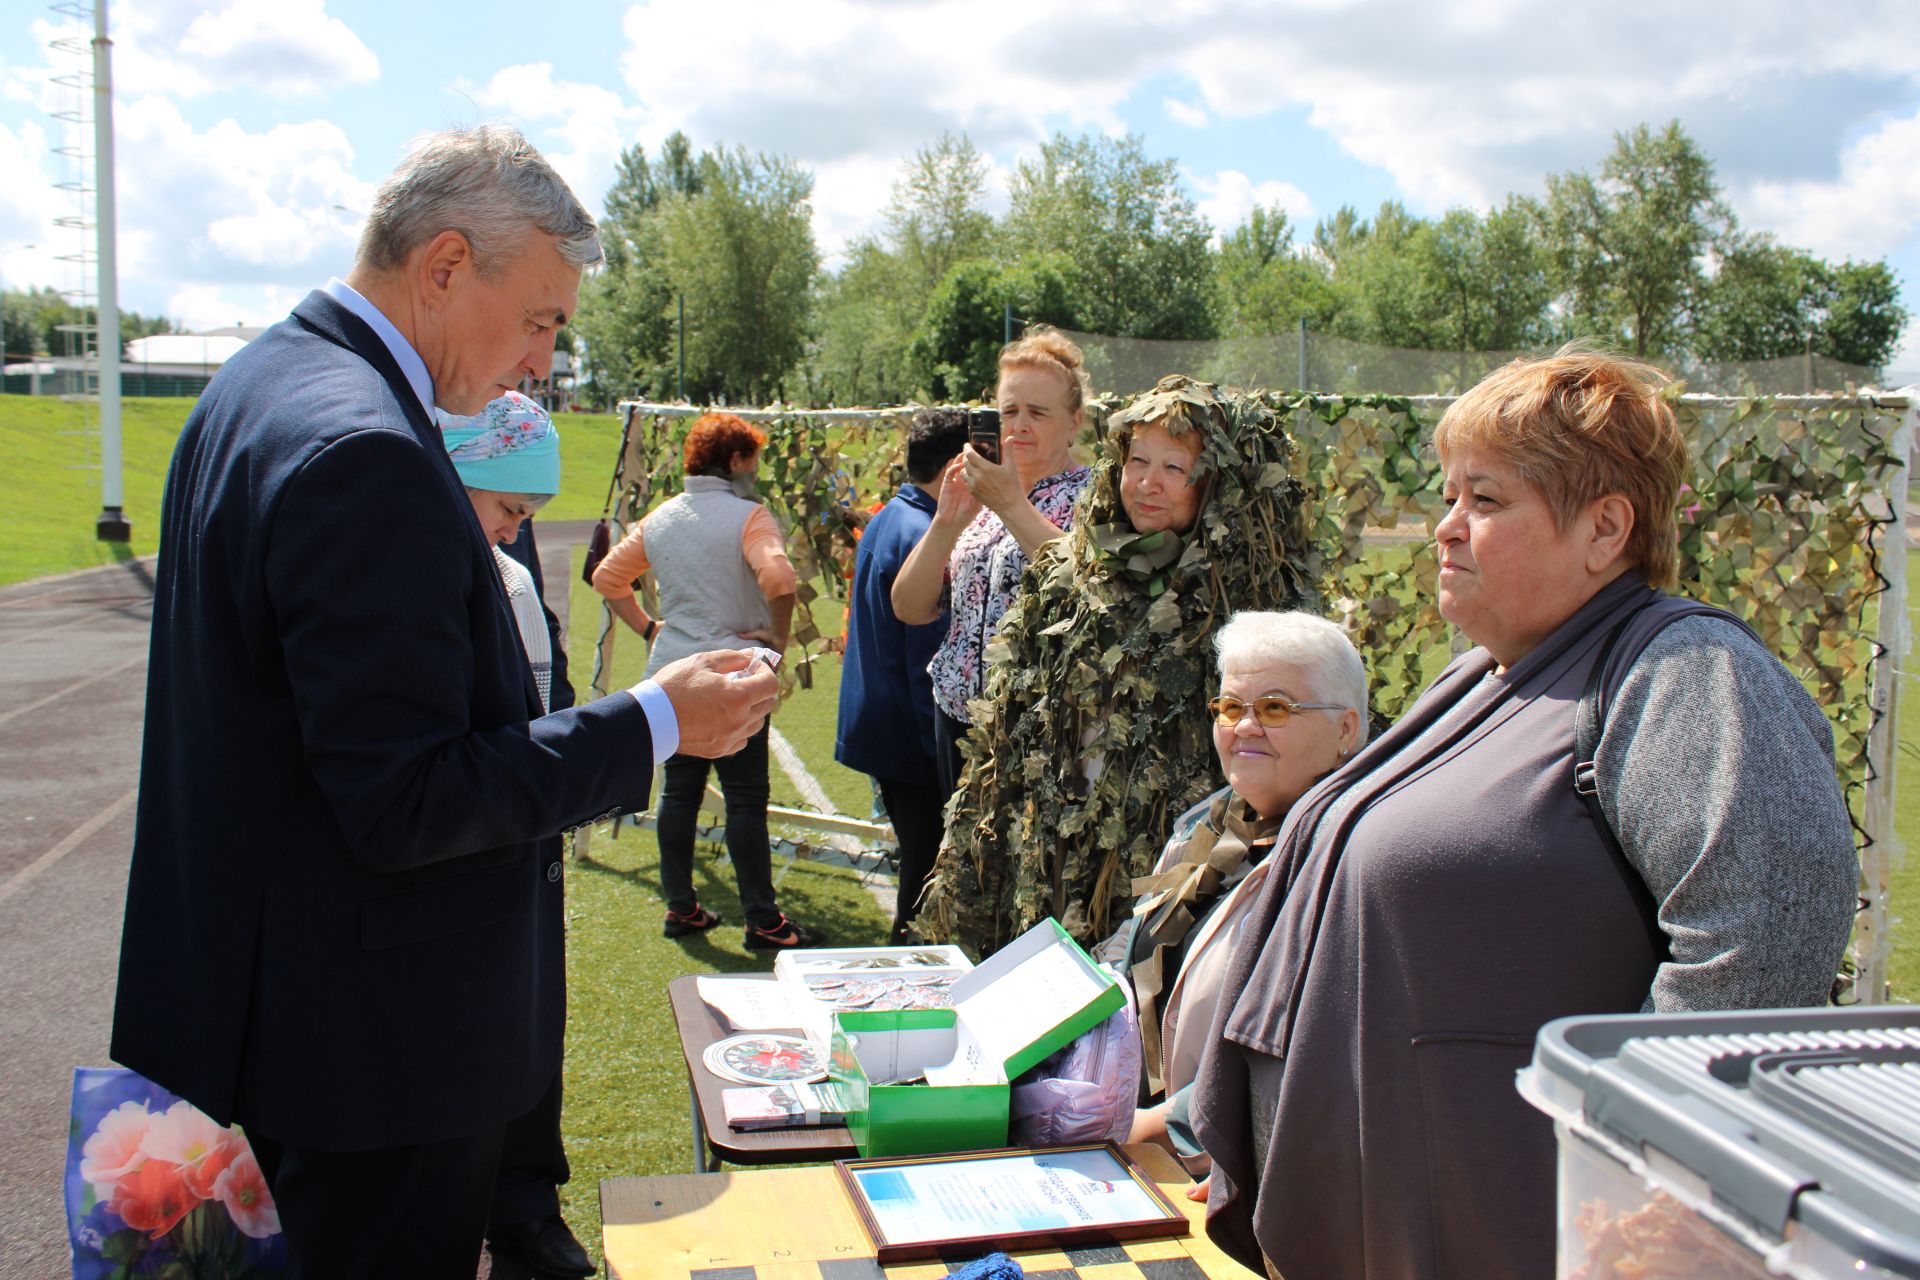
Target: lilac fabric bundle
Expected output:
[1087,1091]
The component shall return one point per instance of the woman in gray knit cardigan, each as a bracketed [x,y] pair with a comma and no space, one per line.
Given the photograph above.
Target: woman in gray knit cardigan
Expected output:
[1436,901]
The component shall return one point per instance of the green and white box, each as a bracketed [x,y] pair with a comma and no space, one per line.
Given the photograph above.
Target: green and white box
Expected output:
[804,971]
[1020,1005]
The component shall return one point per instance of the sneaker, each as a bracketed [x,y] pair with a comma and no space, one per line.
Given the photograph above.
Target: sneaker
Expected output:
[679,926]
[788,935]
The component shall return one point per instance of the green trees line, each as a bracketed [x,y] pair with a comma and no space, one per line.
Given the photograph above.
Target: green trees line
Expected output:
[32,320]
[1644,255]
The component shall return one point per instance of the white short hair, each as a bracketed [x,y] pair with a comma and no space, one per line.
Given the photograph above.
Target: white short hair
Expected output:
[486,182]
[1256,638]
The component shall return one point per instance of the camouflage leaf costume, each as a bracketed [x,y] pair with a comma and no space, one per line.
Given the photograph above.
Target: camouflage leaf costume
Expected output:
[1092,736]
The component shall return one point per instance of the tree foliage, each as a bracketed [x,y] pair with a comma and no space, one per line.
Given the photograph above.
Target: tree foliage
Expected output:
[1643,254]
[1134,247]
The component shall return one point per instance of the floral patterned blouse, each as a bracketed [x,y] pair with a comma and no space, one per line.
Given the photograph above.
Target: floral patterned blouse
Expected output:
[983,577]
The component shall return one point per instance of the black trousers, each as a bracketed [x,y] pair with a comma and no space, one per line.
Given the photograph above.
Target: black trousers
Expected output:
[533,1164]
[916,811]
[947,736]
[416,1211]
[743,783]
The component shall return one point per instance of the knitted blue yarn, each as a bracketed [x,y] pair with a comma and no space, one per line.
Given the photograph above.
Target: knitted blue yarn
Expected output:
[995,1266]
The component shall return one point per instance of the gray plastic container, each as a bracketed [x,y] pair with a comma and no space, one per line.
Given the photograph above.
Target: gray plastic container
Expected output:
[1734,1145]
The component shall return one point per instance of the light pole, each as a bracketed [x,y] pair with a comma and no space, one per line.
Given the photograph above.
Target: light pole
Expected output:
[112,524]
[4,255]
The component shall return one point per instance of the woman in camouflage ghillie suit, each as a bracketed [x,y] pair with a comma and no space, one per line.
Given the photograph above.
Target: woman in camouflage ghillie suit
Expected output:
[1091,736]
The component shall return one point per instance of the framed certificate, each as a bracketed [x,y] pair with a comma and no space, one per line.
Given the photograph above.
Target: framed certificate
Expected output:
[974,1202]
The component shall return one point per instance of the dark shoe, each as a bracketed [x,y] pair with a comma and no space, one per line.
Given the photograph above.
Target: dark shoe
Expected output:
[789,934]
[679,926]
[545,1245]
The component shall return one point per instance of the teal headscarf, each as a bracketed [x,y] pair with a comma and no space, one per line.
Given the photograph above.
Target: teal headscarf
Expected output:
[511,446]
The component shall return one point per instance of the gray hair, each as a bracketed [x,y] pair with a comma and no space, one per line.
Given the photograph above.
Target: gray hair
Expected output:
[1253,639]
[489,184]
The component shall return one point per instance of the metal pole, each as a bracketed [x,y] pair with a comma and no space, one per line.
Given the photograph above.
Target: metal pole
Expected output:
[1303,353]
[1006,327]
[112,526]
[681,386]
[1894,641]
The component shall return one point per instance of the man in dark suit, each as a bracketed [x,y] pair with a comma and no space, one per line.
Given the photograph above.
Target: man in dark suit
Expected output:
[343,922]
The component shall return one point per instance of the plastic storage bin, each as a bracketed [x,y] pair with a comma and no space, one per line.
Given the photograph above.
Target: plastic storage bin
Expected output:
[1735,1145]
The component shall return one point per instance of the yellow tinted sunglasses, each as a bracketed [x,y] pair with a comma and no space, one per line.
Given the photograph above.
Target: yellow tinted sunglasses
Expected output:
[1270,710]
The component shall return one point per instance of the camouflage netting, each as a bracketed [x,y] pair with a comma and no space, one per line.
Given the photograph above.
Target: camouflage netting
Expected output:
[1091,737]
[1783,525]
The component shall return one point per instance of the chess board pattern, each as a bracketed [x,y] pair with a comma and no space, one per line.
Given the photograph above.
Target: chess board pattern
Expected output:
[1143,1260]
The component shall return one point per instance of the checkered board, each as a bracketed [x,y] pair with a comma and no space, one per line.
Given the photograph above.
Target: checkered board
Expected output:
[1141,1260]
[798,1224]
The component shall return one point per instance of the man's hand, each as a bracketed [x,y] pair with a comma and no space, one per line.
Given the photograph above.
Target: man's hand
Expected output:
[718,710]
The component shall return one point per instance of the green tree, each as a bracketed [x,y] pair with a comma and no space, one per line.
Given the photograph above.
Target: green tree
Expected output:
[626,322]
[1484,280]
[1630,248]
[1135,251]
[1864,317]
[937,215]
[741,251]
[866,314]
[956,350]
[1265,286]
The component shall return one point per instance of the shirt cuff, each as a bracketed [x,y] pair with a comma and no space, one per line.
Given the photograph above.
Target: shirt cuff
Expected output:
[661,720]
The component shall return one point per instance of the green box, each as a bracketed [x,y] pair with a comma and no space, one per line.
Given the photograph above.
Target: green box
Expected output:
[1020,1005]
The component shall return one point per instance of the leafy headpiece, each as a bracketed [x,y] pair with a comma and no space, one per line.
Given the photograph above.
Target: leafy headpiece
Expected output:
[1091,736]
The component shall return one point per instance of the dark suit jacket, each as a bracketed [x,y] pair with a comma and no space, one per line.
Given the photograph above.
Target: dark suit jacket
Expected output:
[343,917]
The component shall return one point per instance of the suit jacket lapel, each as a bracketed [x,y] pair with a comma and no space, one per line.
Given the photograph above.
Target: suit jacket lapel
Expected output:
[326,317]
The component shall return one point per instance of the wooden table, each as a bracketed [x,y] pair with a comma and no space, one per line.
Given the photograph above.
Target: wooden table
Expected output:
[797,1224]
[713,1142]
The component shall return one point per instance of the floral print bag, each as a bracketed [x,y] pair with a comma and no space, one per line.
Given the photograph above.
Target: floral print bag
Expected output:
[155,1188]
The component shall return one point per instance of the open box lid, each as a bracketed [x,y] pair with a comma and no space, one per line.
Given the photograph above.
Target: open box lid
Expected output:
[1024,1002]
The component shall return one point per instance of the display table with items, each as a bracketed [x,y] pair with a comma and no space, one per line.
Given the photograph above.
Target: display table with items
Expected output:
[879,1050]
[812,1223]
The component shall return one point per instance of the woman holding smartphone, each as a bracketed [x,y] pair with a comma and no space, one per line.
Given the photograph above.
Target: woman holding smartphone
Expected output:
[725,583]
[993,515]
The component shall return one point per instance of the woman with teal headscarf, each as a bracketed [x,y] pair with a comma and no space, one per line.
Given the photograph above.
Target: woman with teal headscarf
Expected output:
[508,456]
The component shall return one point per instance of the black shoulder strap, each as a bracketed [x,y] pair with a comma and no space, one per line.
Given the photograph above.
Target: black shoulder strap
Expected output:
[1590,722]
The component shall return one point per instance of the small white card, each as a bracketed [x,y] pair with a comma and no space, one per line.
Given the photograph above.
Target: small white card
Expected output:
[754,1004]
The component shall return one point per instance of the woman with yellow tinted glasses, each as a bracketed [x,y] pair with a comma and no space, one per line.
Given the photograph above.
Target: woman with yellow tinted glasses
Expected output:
[1292,705]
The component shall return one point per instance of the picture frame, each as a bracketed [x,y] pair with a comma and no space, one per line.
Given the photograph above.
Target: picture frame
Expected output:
[967,1203]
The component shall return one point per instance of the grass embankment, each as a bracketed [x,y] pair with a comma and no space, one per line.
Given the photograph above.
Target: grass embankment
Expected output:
[50,455]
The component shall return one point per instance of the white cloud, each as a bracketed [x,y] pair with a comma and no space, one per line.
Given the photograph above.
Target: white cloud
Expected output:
[284,47]
[184,49]
[1227,197]
[1865,213]
[1185,112]
[591,125]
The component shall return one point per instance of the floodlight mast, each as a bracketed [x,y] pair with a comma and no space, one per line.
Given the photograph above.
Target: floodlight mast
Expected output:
[112,525]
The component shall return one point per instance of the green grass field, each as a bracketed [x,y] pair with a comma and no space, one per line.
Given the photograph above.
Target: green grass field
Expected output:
[50,453]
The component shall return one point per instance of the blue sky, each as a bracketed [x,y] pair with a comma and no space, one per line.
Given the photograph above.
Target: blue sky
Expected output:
[252,132]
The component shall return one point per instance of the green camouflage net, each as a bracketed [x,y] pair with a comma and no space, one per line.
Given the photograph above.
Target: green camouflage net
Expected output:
[1092,736]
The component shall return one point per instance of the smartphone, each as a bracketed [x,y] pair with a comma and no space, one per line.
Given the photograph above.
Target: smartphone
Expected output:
[983,433]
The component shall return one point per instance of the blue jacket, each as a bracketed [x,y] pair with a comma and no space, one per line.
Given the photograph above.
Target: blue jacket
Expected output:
[886,696]
[344,918]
